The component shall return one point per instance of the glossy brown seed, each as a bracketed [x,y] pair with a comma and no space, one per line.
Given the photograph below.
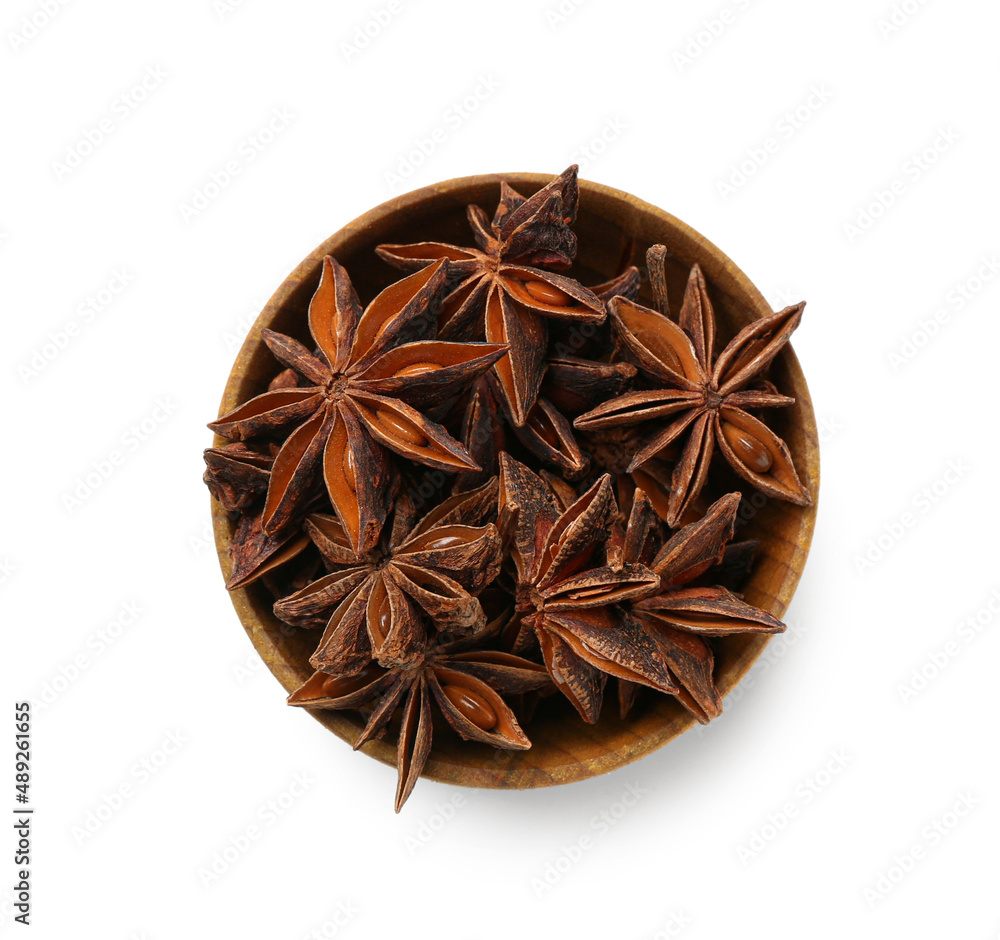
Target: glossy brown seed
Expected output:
[547,294]
[542,425]
[754,454]
[439,541]
[472,705]
[418,368]
[350,471]
[400,428]
[338,686]
[383,615]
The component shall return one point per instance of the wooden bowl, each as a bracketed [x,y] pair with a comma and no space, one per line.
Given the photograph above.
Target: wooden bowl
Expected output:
[614,230]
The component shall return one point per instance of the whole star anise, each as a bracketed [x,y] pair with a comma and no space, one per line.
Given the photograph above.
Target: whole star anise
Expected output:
[679,616]
[696,393]
[375,605]
[506,287]
[374,370]
[465,686]
[567,591]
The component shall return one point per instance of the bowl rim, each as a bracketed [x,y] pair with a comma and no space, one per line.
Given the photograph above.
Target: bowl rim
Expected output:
[521,778]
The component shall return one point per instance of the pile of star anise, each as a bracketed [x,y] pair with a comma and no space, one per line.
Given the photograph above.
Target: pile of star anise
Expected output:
[470,521]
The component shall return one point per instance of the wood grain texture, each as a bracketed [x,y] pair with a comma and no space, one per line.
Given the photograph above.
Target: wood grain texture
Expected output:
[615,229]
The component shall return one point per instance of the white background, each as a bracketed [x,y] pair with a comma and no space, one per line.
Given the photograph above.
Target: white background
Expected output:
[898,343]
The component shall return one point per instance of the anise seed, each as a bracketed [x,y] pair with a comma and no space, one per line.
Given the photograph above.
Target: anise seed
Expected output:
[754,454]
[472,705]
[542,425]
[384,615]
[547,294]
[418,368]
[350,471]
[400,428]
[338,686]
[443,541]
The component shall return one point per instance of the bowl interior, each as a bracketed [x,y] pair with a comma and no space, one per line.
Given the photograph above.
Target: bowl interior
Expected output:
[615,230]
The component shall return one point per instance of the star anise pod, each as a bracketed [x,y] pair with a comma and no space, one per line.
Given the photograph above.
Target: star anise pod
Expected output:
[374,371]
[697,394]
[237,475]
[678,616]
[507,287]
[567,591]
[374,606]
[465,686]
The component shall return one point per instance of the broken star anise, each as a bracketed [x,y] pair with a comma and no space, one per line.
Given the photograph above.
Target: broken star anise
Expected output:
[546,433]
[507,287]
[374,370]
[696,393]
[375,605]
[237,475]
[567,591]
[465,686]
